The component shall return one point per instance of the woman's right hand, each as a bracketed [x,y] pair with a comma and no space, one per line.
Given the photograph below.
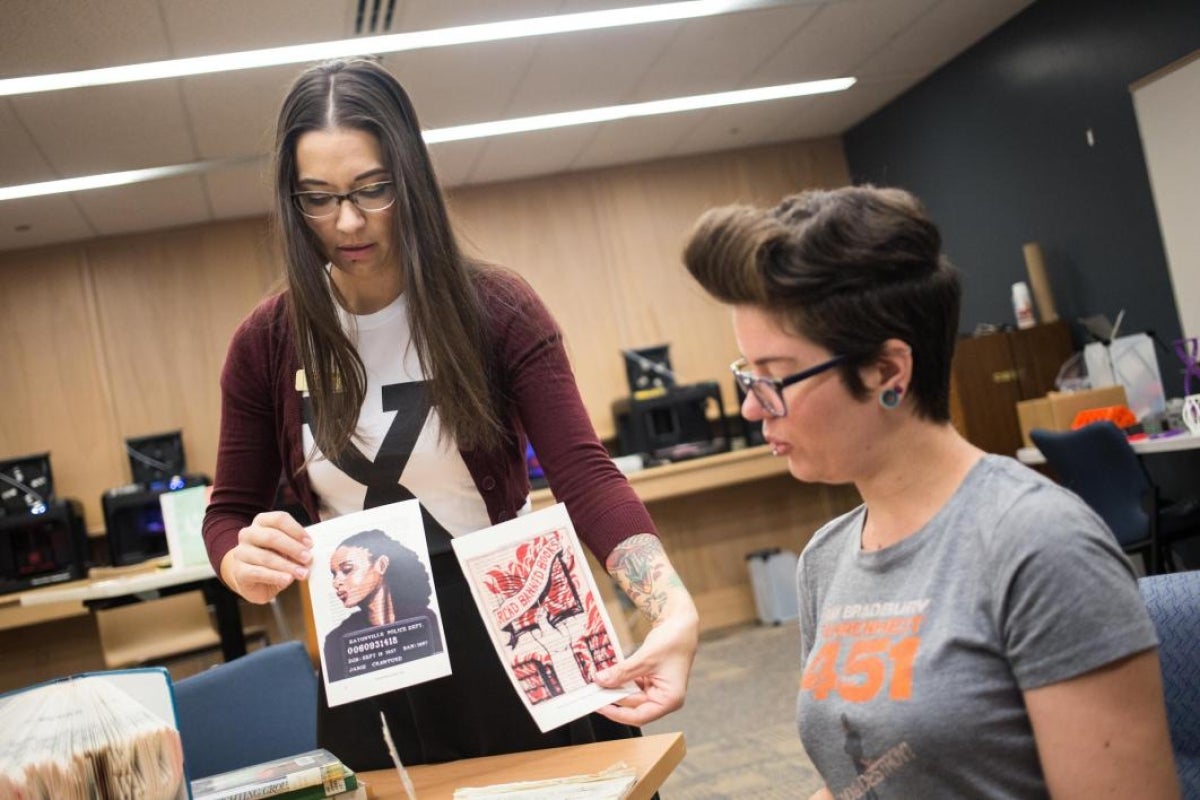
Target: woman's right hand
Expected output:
[271,552]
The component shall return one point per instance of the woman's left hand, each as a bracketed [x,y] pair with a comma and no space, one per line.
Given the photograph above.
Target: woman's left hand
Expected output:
[659,668]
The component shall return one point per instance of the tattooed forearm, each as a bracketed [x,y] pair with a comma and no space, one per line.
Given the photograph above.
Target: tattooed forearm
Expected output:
[644,573]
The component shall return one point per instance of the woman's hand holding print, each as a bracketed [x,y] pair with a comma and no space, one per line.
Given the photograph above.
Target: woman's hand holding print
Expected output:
[271,553]
[660,667]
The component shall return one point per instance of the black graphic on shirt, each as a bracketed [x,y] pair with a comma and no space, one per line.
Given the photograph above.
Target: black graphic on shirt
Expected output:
[854,749]
[382,476]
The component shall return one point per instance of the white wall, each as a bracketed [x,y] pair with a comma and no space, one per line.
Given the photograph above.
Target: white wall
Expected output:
[1168,112]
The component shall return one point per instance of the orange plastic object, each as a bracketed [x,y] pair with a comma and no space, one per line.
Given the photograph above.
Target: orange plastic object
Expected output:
[1120,416]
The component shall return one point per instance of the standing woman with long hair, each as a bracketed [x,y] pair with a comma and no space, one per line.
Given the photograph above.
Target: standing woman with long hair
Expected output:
[394,367]
[972,629]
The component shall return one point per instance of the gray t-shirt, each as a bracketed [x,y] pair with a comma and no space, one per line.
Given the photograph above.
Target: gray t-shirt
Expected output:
[916,656]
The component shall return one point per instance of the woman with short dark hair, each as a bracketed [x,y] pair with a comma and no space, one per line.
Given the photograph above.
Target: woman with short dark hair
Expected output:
[971,630]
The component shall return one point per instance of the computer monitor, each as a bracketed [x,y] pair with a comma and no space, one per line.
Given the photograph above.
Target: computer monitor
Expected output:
[155,459]
[26,484]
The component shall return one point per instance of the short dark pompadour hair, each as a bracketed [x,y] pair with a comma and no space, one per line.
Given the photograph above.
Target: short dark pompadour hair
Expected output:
[847,269]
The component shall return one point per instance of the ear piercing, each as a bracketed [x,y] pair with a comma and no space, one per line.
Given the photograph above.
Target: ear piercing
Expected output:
[890,398]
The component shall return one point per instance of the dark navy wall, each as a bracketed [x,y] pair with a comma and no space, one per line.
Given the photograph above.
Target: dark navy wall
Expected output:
[995,144]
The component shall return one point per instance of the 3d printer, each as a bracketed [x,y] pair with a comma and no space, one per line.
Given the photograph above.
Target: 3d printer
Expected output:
[662,418]
[42,538]
[133,520]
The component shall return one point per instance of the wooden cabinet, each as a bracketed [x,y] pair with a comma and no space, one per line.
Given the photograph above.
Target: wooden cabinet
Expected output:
[990,374]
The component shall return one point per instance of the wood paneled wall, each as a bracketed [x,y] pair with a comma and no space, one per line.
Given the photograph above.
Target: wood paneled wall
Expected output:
[126,336]
[122,337]
[603,250]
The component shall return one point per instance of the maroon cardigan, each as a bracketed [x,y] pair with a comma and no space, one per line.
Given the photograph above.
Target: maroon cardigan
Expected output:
[261,427]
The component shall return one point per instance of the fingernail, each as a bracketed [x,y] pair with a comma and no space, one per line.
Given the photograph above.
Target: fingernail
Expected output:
[306,556]
[307,540]
[301,573]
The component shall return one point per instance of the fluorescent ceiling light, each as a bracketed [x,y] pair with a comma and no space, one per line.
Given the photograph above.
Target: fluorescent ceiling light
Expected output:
[609,113]
[117,178]
[376,45]
[461,132]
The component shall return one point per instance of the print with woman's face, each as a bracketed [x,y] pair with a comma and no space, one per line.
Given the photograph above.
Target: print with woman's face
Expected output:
[356,575]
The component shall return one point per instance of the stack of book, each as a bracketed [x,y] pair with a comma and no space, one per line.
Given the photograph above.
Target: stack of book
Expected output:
[314,775]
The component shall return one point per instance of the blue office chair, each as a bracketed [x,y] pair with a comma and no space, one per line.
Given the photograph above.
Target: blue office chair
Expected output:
[1098,464]
[1174,605]
[252,709]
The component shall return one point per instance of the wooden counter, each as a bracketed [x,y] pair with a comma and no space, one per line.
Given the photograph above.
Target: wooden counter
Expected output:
[694,475]
[652,756]
[711,512]
[15,614]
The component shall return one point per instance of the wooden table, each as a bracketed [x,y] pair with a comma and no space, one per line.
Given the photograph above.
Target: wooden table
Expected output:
[653,756]
[126,588]
[694,475]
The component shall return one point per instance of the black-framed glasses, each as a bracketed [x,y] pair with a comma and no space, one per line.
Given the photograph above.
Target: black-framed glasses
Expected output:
[769,391]
[370,198]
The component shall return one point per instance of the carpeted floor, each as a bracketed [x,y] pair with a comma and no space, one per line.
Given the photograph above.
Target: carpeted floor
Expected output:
[739,720]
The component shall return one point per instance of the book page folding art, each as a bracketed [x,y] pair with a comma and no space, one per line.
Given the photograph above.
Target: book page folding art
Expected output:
[374,606]
[540,605]
[98,734]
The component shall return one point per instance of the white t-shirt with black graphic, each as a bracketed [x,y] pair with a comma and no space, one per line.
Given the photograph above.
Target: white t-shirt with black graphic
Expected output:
[398,439]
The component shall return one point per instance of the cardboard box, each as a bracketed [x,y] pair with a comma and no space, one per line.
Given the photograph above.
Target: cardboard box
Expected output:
[1056,411]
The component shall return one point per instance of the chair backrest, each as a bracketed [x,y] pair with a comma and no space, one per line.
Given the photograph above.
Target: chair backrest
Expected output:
[1174,604]
[1097,463]
[253,709]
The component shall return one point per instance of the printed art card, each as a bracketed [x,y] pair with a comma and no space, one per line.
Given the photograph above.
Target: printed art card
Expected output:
[376,611]
[543,613]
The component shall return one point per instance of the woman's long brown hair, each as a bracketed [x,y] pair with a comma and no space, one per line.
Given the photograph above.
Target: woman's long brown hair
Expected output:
[445,310]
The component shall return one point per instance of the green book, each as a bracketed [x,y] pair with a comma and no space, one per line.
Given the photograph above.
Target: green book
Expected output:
[313,775]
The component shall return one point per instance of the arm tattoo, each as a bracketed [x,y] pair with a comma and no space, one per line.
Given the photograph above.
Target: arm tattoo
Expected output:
[643,572]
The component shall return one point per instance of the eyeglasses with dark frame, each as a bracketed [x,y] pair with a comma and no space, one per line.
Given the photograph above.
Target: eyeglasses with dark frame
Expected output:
[372,198]
[769,391]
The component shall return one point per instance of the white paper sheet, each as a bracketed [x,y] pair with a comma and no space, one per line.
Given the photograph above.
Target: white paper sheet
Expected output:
[360,656]
[539,602]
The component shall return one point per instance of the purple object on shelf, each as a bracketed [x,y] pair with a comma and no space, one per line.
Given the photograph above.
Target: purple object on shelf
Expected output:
[1188,351]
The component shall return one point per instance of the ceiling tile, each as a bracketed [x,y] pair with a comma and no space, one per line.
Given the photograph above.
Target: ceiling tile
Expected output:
[234,114]
[243,191]
[40,37]
[583,70]
[753,124]
[461,85]
[637,139]
[108,128]
[22,161]
[166,203]
[228,26]
[453,161]
[423,15]
[940,35]
[50,219]
[528,154]
[720,53]
[835,42]
[819,118]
